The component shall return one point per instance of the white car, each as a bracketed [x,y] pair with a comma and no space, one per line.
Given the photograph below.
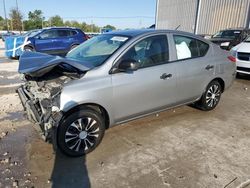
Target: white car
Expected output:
[241,52]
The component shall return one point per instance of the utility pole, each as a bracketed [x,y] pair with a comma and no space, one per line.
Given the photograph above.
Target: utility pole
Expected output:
[92,26]
[5,17]
[197,17]
[16,6]
[18,14]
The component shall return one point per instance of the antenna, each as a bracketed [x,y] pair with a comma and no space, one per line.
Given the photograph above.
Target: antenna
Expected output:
[177,27]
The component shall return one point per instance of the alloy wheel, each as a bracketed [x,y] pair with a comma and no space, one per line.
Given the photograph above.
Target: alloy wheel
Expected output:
[82,134]
[213,95]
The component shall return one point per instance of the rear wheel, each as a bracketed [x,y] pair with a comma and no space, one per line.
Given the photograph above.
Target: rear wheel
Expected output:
[211,96]
[81,132]
[73,46]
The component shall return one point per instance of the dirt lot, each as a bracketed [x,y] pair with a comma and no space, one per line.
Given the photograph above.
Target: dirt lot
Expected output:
[183,147]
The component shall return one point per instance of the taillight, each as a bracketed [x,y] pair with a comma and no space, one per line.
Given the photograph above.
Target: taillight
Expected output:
[232,58]
[86,37]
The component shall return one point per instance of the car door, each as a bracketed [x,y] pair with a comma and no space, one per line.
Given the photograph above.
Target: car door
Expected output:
[194,67]
[64,40]
[46,41]
[150,88]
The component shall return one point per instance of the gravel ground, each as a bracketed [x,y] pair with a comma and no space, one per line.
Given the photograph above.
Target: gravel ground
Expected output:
[182,147]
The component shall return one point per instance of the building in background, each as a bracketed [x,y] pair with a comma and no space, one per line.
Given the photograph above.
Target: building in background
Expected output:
[202,16]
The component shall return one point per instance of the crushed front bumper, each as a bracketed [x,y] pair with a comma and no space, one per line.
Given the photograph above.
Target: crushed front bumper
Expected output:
[45,122]
[29,107]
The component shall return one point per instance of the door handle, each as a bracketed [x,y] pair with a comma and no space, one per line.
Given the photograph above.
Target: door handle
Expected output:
[209,67]
[165,76]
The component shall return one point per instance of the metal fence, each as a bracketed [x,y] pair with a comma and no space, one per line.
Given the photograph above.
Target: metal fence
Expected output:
[204,16]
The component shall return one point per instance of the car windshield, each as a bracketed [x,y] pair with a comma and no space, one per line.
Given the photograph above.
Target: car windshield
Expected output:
[33,33]
[98,49]
[247,39]
[232,34]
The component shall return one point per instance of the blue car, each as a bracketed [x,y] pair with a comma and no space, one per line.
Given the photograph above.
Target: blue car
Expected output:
[55,41]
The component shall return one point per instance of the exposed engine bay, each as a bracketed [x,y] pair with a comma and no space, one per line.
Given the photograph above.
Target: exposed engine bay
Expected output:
[40,96]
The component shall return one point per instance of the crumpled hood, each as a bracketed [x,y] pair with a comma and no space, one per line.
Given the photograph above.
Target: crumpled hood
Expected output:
[37,64]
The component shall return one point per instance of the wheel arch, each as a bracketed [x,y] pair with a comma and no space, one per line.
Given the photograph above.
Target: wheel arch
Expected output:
[29,46]
[96,107]
[221,82]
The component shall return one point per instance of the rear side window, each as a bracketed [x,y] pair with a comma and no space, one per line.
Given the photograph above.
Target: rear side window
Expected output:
[73,32]
[150,51]
[63,33]
[49,34]
[202,47]
[187,47]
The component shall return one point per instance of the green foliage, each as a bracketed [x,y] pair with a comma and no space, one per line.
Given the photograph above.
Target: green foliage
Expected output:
[2,23]
[36,20]
[110,27]
[15,19]
[56,21]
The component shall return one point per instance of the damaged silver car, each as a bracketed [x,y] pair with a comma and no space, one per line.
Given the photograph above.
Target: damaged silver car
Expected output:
[117,77]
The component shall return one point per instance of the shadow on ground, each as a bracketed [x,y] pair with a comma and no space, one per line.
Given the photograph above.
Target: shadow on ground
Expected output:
[243,76]
[13,116]
[69,172]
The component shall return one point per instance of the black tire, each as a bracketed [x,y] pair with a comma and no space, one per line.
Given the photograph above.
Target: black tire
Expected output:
[211,97]
[73,46]
[28,48]
[80,132]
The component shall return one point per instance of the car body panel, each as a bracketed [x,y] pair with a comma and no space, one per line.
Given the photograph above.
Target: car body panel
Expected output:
[242,52]
[129,95]
[37,64]
[150,92]
[120,108]
[192,74]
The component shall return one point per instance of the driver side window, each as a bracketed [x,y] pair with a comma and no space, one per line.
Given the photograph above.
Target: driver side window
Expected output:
[49,34]
[150,51]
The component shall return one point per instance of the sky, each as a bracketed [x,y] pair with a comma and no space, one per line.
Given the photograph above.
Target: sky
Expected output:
[120,13]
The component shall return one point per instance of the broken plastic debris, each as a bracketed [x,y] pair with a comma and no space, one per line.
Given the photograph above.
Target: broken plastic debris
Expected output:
[6,153]
[15,183]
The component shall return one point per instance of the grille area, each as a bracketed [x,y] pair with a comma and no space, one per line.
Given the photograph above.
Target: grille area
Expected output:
[244,56]
[243,69]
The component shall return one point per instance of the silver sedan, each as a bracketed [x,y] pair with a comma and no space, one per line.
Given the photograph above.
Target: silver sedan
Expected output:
[117,77]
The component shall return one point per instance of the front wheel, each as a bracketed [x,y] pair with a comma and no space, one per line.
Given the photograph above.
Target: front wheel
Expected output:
[211,96]
[81,132]
[28,49]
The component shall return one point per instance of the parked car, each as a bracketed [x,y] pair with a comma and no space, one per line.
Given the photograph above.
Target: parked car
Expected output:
[205,36]
[117,77]
[229,38]
[55,40]
[241,52]
[5,35]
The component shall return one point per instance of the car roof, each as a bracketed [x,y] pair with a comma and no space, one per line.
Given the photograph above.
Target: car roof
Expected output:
[46,28]
[137,32]
[233,29]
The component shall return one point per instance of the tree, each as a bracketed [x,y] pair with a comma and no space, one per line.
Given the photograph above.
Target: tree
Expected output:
[16,19]
[109,27]
[56,21]
[35,20]
[2,23]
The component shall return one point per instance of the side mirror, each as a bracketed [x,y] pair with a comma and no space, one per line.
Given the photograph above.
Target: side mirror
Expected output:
[128,65]
[39,37]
